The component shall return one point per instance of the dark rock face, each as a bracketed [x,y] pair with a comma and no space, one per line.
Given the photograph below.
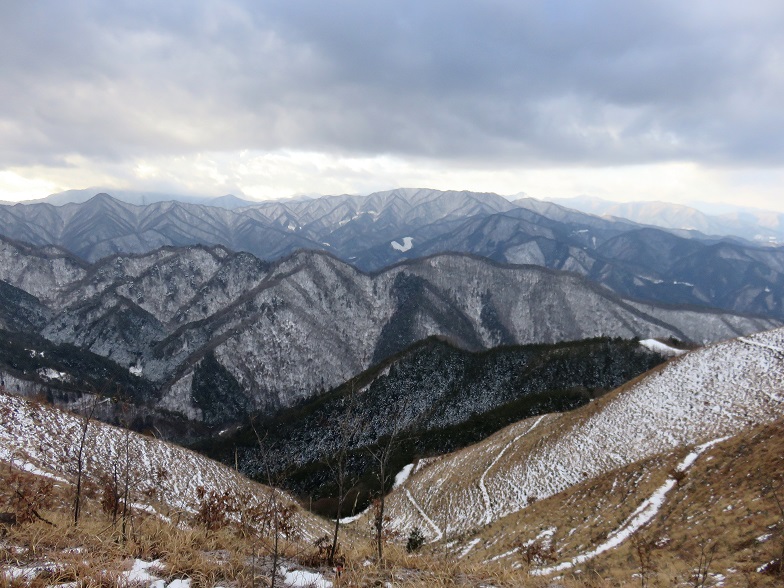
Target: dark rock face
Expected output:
[217,393]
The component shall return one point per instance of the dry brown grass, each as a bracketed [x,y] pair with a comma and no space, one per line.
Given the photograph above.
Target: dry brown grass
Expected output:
[728,503]
[724,509]
[725,506]
[66,553]
[52,550]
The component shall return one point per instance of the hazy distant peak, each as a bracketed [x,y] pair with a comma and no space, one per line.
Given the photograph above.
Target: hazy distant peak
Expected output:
[229,201]
[764,227]
[141,198]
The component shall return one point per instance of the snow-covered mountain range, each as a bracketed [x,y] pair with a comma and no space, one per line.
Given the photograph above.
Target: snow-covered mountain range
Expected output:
[203,314]
[283,331]
[375,231]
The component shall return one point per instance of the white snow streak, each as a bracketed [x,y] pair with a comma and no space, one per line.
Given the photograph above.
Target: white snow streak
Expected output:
[485,494]
[356,517]
[5,455]
[748,341]
[467,549]
[640,517]
[436,528]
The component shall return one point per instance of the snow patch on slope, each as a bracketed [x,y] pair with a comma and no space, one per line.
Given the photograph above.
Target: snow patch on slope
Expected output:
[659,347]
[403,475]
[408,243]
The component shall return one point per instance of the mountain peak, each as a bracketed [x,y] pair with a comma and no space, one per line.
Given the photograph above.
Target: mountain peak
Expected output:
[103,196]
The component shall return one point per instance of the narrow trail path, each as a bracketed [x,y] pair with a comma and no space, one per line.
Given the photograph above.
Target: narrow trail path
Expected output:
[777,350]
[483,488]
[415,504]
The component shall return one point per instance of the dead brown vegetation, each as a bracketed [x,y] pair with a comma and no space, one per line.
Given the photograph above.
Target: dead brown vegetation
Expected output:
[723,522]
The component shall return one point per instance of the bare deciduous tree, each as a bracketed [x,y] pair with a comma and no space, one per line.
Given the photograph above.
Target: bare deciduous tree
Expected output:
[278,518]
[381,454]
[81,449]
[350,424]
[126,477]
[707,551]
[643,550]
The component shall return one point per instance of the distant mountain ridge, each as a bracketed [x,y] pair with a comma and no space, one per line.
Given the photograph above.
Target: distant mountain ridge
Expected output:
[759,226]
[140,198]
[376,231]
[764,227]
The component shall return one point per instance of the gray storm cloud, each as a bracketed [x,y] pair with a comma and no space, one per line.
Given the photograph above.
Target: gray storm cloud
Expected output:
[590,83]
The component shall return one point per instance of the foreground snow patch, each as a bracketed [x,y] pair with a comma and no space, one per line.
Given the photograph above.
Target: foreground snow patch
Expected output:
[403,475]
[13,573]
[141,574]
[303,579]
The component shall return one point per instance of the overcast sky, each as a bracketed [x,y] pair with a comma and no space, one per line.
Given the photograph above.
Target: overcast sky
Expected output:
[660,100]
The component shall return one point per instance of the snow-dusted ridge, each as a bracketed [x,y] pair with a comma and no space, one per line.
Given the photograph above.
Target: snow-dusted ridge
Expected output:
[166,478]
[711,393]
